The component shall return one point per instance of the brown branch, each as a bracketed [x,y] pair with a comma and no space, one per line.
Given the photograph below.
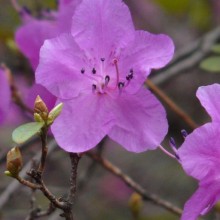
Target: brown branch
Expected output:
[28,183]
[188,57]
[135,186]
[173,106]
[38,213]
[44,149]
[74,158]
[15,94]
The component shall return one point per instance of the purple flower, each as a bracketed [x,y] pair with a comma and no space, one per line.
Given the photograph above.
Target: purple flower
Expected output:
[200,155]
[34,31]
[98,72]
[5,96]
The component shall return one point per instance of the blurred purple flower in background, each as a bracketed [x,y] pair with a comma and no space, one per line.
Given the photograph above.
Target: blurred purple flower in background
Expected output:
[31,35]
[5,95]
[200,155]
[98,72]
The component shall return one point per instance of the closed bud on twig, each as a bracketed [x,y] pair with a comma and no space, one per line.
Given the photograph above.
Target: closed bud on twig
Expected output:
[38,118]
[14,162]
[54,113]
[135,204]
[41,108]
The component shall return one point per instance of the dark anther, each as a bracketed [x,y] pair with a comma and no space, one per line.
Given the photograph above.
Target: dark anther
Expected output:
[107,79]
[82,70]
[172,142]
[102,59]
[130,76]
[94,71]
[184,133]
[93,87]
[121,85]
[131,71]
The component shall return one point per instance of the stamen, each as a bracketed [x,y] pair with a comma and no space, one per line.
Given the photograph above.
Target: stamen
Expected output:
[167,152]
[117,71]
[107,79]
[130,75]
[184,133]
[93,87]
[82,70]
[121,85]
[102,59]
[93,71]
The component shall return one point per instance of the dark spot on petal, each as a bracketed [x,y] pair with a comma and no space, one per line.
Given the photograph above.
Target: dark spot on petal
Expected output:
[107,79]
[121,85]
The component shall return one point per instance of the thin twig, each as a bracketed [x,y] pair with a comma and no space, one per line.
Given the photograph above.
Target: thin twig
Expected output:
[16,97]
[74,158]
[188,57]
[44,149]
[174,107]
[135,186]
[38,213]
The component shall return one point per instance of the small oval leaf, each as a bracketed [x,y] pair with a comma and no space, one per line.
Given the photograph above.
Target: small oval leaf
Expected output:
[216,48]
[211,64]
[24,132]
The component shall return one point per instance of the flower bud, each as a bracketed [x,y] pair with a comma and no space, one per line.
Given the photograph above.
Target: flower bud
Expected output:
[135,204]
[38,118]
[41,108]
[54,113]
[14,162]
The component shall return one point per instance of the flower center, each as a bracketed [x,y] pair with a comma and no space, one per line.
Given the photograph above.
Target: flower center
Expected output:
[107,78]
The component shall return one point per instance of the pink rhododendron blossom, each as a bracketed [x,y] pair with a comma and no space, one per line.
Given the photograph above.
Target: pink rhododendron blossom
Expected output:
[34,31]
[200,155]
[5,95]
[98,72]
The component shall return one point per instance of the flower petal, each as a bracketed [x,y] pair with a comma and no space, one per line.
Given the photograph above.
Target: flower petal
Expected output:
[141,122]
[65,14]
[201,201]
[209,98]
[5,96]
[200,151]
[59,70]
[148,51]
[31,36]
[83,123]
[102,26]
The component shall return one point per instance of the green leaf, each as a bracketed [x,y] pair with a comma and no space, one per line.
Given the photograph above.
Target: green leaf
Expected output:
[26,131]
[211,64]
[216,48]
